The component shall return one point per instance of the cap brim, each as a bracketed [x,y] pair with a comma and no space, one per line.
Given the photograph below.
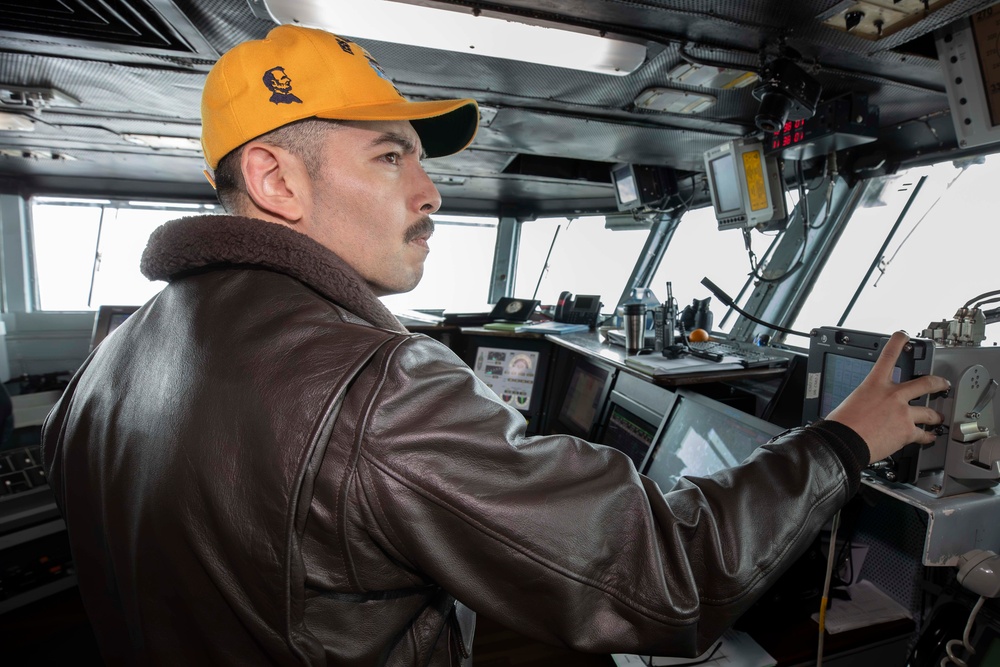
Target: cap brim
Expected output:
[445,127]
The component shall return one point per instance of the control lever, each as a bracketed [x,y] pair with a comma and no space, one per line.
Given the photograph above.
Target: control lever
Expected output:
[984,400]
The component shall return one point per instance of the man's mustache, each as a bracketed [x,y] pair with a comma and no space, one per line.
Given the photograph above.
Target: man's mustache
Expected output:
[423,228]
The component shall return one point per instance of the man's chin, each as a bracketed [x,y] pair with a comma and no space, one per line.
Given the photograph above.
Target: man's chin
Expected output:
[400,288]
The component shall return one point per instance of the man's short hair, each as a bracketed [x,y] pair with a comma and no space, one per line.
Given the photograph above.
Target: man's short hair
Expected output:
[302,138]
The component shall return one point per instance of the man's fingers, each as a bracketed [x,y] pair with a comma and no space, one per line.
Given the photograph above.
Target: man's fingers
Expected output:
[890,353]
[928,384]
[924,437]
[925,416]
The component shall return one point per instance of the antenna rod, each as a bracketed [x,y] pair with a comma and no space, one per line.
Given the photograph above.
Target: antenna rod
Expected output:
[545,266]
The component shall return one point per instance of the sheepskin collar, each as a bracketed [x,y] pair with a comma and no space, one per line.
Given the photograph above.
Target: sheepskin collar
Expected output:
[201,242]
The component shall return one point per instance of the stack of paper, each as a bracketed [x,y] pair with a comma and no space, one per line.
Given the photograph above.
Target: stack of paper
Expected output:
[867,606]
[659,366]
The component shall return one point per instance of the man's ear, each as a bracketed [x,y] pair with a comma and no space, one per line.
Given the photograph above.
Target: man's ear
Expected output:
[276,181]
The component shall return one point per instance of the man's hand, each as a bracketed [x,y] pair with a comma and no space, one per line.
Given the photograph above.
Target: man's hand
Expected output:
[879,411]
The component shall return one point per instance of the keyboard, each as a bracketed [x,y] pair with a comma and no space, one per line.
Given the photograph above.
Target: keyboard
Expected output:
[21,471]
[746,354]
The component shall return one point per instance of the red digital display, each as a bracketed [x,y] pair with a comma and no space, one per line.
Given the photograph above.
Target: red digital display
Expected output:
[791,134]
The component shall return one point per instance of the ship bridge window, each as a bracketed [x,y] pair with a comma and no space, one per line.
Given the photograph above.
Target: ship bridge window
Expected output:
[86,251]
[939,257]
[699,250]
[586,258]
[457,270]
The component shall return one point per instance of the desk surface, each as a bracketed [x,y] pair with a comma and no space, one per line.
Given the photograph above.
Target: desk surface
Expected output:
[589,343]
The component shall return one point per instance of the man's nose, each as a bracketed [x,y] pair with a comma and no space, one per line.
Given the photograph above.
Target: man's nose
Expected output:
[428,197]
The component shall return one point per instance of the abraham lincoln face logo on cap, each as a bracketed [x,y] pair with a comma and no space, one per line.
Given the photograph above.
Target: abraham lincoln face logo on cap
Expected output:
[280,85]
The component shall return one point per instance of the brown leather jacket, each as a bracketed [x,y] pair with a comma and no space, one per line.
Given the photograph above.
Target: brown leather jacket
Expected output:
[263,467]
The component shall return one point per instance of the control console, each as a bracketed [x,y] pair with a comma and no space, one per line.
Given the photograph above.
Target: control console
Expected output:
[965,456]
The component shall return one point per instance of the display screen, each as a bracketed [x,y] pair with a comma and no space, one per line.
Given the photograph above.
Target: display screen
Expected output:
[704,437]
[509,373]
[840,377]
[726,183]
[625,183]
[792,134]
[582,402]
[629,434]
[117,320]
[753,168]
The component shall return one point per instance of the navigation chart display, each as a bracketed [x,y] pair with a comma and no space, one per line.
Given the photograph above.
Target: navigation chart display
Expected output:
[509,373]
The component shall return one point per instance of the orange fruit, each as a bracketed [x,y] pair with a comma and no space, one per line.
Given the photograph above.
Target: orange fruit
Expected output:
[698,336]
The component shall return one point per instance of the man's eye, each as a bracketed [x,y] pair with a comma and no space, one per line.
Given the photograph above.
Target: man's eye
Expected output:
[391,158]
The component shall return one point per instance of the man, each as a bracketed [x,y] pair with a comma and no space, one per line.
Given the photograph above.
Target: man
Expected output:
[263,467]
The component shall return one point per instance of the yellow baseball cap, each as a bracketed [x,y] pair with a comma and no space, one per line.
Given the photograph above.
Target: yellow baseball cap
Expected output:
[297,73]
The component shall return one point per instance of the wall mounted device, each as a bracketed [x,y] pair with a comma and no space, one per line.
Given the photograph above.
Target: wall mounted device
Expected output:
[966,453]
[641,186]
[785,92]
[839,124]
[971,63]
[953,480]
[745,185]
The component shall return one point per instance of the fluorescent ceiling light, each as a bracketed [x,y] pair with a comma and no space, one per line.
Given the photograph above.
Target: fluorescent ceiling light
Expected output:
[709,76]
[16,122]
[35,97]
[673,101]
[34,154]
[487,34]
[158,141]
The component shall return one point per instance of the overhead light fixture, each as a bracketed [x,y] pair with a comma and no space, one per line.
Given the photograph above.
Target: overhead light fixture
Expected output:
[627,221]
[668,100]
[441,179]
[35,98]
[34,154]
[159,141]
[710,76]
[478,32]
[15,122]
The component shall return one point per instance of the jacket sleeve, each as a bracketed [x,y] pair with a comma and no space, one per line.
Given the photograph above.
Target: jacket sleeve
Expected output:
[562,539]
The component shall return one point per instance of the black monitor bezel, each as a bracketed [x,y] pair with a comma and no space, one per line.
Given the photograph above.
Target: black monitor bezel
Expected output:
[686,397]
[102,322]
[915,359]
[557,424]
[634,409]
[656,416]
[543,347]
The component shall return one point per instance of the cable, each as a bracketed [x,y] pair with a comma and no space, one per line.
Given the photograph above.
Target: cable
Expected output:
[986,302]
[830,169]
[826,587]
[728,301]
[984,295]
[964,641]
[885,264]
